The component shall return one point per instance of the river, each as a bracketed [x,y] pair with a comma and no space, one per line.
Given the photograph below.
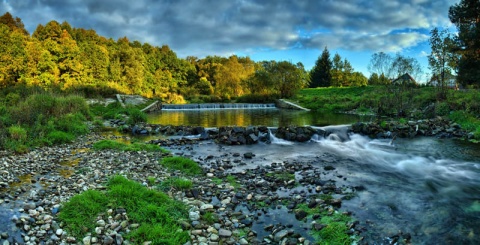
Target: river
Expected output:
[425,187]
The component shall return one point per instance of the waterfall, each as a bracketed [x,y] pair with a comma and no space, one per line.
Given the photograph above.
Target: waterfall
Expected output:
[217,106]
[277,141]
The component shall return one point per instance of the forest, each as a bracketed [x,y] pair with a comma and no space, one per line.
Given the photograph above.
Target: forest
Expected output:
[60,57]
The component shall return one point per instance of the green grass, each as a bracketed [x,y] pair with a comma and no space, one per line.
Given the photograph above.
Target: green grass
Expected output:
[283,176]
[41,118]
[185,165]
[209,217]
[338,99]
[116,111]
[80,212]
[217,181]
[176,183]
[157,214]
[137,146]
[335,229]
[232,181]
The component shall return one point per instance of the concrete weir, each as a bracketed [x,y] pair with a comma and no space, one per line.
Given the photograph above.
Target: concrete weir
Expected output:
[281,103]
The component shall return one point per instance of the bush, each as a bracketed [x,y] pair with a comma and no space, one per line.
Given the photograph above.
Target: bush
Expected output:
[136,116]
[442,109]
[17,133]
[59,137]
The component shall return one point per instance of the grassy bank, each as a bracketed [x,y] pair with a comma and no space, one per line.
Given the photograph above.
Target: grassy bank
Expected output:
[462,106]
[41,119]
[31,117]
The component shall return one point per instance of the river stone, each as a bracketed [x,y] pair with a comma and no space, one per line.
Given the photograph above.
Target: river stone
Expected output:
[87,240]
[206,207]
[248,155]
[224,233]
[108,240]
[118,239]
[280,235]
[214,237]
[29,205]
[300,214]
[195,215]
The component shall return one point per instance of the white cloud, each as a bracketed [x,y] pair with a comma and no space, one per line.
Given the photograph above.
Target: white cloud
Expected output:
[207,27]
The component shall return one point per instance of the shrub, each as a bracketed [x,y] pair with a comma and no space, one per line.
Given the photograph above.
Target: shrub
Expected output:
[183,164]
[59,137]
[73,123]
[442,109]
[17,133]
[136,116]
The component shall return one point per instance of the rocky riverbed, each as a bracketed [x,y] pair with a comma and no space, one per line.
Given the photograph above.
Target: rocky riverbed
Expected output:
[254,205]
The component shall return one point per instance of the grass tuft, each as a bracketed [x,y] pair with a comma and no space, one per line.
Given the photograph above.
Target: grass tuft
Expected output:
[157,214]
[176,183]
[185,165]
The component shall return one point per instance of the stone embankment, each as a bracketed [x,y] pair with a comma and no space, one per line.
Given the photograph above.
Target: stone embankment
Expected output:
[438,127]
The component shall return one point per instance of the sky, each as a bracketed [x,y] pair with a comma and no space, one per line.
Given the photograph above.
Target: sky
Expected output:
[291,30]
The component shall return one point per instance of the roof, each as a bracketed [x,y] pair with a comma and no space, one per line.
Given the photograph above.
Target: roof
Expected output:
[404,79]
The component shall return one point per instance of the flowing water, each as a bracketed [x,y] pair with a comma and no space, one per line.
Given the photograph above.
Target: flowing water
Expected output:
[427,187]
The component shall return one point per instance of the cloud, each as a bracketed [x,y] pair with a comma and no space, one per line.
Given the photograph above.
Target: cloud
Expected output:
[209,27]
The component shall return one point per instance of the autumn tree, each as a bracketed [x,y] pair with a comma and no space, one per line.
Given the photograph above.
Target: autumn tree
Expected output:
[320,75]
[12,55]
[466,17]
[14,24]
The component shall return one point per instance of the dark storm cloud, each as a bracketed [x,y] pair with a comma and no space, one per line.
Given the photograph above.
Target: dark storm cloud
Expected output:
[200,27]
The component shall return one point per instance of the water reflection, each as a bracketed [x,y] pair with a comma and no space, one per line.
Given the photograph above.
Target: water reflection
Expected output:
[247,117]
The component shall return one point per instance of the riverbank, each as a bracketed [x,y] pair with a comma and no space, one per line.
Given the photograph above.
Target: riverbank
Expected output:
[223,205]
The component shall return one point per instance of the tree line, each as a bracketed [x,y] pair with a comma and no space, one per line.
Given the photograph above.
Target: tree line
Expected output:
[58,56]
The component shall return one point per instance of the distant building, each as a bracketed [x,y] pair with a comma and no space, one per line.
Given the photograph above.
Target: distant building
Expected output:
[404,79]
[450,81]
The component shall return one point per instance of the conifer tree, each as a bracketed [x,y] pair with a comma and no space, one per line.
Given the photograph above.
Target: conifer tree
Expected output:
[320,75]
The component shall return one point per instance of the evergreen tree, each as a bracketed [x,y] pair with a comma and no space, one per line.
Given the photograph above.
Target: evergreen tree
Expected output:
[466,16]
[320,75]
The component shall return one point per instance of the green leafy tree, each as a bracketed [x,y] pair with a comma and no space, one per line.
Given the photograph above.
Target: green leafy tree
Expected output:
[320,75]
[442,57]
[466,16]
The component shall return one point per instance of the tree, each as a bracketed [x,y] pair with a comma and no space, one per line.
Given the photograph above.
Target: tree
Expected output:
[375,79]
[401,65]
[279,78]
[320,75]
[442,58]
[15,24]
[381,63]
[466,16]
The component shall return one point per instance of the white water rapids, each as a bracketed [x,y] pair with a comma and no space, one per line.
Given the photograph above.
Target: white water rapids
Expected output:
[427,187]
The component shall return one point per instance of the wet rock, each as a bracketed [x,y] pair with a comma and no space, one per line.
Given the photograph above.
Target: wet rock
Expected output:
[224,233]
[248,155]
